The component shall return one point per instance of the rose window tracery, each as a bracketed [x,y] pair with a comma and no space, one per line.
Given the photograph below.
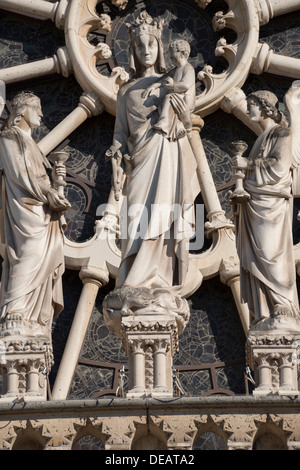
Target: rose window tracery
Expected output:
[77,65]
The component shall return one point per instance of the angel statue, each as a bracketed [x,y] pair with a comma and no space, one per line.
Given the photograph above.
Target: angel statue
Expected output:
[31,222]
[264,235]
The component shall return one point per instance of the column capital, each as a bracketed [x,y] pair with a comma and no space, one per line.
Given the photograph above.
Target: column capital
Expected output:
[95,275]
[91,103]
[229,270]
[63,62]
[261,61]
[197,122]
[232,99]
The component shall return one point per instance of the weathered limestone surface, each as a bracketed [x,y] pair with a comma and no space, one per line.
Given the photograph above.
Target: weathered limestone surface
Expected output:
[148,308]
[173,424]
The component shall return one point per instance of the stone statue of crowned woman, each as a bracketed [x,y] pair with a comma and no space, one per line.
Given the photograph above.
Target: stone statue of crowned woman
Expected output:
[161,181]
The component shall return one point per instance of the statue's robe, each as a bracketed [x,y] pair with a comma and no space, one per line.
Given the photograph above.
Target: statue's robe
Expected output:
[160,191]
[265,240]
[31,234]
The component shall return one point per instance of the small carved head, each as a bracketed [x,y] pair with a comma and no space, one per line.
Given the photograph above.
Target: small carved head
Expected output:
[179,48]
[25,105]
[267,104]
[145,32]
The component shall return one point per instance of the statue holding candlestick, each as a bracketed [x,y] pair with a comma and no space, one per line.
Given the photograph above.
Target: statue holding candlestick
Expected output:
[264,235]
[239,195]
[32,222]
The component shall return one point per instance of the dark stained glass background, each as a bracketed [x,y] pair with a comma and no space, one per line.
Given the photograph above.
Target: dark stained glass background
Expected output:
[211,358]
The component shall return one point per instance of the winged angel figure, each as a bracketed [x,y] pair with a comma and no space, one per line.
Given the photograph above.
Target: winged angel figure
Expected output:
[264,239]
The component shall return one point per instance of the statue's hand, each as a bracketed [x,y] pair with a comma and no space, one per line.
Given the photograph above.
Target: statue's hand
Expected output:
[240,163]
[58,171]
[111,152]
[56,202]
[181,109]
[168,83]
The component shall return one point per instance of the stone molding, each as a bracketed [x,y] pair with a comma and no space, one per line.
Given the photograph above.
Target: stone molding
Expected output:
[176,425]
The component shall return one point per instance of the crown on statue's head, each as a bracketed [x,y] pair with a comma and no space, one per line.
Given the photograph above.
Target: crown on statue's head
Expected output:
[144,24]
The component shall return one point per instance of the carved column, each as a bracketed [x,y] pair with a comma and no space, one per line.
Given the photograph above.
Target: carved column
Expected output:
[12,378]
[35,8]
[137,364]
[93,279]
[216,214]
[264,373]
[33,375]
[150,343]
[89,105]
[230,275]
[59,63]
[273,357]
[161,349]
[268,9]
[25,363]
[268,61]
[288,379]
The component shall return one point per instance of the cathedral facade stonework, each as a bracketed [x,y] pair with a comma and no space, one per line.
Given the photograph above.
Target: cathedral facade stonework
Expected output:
[149,155]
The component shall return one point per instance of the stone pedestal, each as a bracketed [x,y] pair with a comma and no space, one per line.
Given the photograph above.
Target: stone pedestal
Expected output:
[25,362]
[273,354]
[150,344]
[149,322]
